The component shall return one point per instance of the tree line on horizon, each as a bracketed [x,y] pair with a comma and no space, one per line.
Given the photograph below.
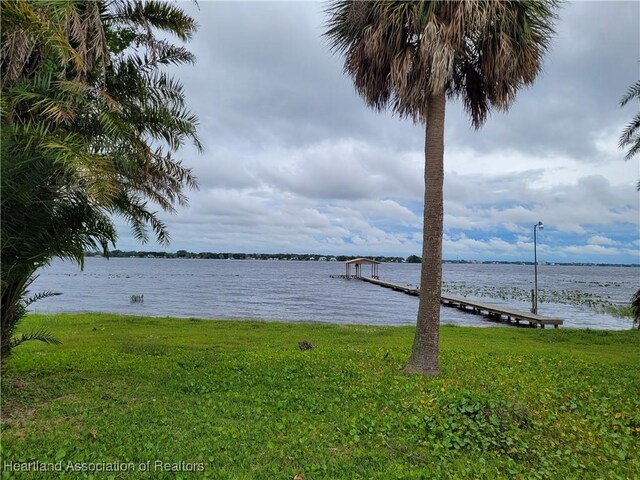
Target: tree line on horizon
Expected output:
[242,256]
[328,257]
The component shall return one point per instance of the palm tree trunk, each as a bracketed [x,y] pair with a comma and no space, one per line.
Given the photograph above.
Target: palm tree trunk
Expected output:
[13,290]
[424,356]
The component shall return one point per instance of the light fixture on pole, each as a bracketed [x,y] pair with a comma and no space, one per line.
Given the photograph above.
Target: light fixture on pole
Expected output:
[534,308]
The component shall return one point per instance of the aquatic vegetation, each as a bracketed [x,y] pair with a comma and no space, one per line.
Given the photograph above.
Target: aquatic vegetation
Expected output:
[565,297]
[622,311]
[136,298]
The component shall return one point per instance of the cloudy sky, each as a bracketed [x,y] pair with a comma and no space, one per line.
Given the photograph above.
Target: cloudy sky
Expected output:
[295,162]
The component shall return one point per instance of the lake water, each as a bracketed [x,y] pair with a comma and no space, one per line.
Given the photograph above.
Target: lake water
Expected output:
[303,291]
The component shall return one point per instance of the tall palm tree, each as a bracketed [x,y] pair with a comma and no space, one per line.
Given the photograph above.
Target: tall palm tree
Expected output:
[90,129]
[411,57]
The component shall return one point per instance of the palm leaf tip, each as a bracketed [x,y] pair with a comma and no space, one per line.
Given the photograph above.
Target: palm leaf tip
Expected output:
[632,92]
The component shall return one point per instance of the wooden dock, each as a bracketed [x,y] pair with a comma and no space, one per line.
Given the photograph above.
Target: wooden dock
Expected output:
[393,286]
[495,313]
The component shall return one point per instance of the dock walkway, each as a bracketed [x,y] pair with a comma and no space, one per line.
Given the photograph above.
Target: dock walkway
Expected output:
[492,312]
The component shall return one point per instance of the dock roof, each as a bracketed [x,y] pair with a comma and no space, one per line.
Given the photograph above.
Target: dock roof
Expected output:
[362,260]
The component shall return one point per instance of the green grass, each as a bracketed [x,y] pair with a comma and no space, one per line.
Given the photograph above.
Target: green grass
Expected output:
[241,399]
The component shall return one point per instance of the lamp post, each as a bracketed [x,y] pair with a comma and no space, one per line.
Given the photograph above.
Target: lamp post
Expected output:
[537,226]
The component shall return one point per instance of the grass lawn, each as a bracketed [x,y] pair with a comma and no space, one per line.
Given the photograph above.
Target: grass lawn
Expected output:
[240,400]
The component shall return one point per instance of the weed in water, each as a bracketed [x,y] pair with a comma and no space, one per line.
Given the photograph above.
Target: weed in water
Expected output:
[136,298]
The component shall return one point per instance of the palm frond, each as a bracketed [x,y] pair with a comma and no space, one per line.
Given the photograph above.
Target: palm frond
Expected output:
[155,14]
[41,335]
[630,133]
[30,26]
[40,296]
[630,136]
[635,148]
[400,53]
[632,92]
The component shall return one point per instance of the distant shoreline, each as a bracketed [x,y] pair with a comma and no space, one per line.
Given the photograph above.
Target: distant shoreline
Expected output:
[308,257]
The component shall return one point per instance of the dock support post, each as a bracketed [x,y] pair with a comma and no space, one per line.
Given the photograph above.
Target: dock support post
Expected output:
[534,302]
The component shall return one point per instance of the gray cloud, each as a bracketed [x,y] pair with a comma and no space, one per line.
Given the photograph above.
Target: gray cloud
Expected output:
[593,60]
[294,160]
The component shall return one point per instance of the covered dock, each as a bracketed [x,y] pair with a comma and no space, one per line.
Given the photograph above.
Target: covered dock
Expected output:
[358,263]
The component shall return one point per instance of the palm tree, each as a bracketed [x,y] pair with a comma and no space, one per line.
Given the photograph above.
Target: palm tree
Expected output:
[46,213]
[411,57]
[90,129]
